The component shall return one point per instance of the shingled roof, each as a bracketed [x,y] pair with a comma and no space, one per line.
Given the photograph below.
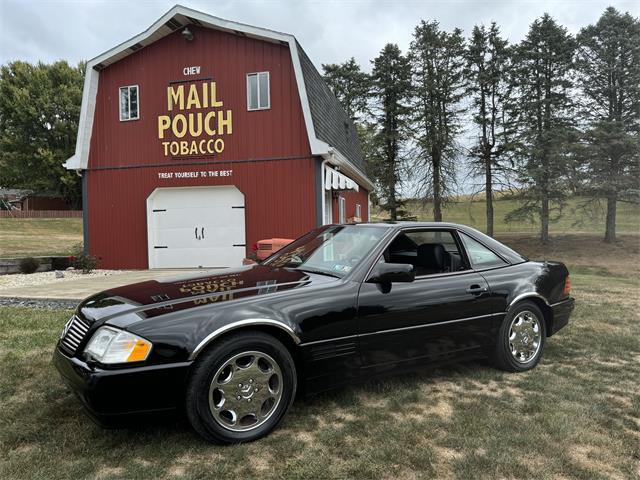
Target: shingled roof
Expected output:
[331,132]
[331,122]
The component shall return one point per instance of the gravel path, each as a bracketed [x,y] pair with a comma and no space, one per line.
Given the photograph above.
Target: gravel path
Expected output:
[47,304]
[42,278]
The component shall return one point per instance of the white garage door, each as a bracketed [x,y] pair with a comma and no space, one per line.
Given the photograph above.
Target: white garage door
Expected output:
[196,227]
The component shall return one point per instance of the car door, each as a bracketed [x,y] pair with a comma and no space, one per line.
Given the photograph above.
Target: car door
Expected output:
[438,314]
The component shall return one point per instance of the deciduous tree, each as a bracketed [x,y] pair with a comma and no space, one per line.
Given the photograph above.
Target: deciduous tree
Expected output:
[39,112]
[350,85]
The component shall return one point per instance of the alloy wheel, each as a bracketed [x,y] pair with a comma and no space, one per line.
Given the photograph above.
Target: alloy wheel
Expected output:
[525,336]
[245,391]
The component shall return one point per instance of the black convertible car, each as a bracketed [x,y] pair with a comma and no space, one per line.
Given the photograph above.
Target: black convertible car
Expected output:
[341,304]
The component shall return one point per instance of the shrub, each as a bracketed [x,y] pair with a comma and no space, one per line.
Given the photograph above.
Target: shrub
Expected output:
[29,265]
[83,261]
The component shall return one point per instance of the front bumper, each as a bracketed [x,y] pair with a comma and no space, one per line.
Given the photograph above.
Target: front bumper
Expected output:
[561,313]
[110,396]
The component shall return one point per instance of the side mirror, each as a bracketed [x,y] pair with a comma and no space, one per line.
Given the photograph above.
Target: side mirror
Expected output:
[392,273]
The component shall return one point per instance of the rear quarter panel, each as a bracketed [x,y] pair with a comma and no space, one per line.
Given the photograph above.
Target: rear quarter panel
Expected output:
[543,280]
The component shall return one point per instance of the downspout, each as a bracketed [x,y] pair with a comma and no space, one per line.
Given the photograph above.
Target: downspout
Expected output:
[85,210]
[323,191]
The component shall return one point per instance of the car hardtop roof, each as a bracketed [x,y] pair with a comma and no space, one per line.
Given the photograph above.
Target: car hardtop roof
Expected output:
[504,251]
[401,224]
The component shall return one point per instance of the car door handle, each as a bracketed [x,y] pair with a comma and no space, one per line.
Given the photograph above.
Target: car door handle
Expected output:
[476,289]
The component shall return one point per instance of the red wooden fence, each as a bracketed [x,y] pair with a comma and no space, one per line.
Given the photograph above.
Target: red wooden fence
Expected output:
[41,214]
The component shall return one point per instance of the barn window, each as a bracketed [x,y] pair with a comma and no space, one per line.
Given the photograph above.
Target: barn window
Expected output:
[358,211]
[258,95]
[342,209]
[129,103]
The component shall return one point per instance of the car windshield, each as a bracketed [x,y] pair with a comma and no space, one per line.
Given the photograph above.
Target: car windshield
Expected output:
[332,250]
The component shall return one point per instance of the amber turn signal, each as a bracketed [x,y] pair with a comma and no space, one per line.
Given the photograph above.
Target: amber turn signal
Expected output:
[140,351]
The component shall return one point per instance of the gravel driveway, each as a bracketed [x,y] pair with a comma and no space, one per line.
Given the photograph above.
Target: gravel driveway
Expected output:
[42,278]
[45,278]
[44,290]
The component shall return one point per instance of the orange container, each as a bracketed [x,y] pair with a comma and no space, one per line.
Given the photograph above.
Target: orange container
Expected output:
[266,247]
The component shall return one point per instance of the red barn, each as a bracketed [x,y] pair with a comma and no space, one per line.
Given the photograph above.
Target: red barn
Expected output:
[200,136]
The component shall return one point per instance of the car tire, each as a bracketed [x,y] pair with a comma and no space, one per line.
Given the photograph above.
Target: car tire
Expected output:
[240,388]
[521,338]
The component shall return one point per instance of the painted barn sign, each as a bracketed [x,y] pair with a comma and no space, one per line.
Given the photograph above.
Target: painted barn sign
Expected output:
[196,122]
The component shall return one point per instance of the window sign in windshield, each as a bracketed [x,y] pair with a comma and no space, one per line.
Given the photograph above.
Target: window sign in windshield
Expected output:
[333,250]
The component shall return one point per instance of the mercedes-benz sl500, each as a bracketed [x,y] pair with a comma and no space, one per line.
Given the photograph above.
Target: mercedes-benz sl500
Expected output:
[341,304]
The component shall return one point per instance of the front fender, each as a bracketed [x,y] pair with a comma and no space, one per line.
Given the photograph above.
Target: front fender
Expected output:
[248,322]
[182,335]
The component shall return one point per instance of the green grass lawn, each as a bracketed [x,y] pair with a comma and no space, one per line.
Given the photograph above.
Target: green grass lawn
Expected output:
[57,236]
[574,219]
[39,236]
[575,416]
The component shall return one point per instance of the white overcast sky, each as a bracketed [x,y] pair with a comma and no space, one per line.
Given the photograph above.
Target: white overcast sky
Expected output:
[329,30]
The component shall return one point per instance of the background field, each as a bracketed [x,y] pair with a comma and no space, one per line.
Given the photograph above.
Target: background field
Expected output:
[578,216]
[35,236]
[575,416]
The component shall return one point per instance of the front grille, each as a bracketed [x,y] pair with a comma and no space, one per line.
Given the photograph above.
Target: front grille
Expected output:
[265,246]
[73,334]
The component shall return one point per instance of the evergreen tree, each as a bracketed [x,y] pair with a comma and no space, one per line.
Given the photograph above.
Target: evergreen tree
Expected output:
[39,113]
[542,112]
[368,136]
[350,85]
[437,60]
[608,62]
[391,86]
[487,58]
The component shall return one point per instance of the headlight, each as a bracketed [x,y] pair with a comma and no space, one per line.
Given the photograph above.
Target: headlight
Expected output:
[110,345]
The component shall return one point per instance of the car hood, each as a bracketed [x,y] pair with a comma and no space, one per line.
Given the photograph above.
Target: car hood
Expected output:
[158,297]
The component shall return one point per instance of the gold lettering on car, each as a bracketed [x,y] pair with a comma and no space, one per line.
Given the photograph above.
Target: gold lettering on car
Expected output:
[222,288]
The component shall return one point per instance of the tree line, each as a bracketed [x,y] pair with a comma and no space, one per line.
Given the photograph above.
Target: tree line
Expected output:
[550,116]
[553,115]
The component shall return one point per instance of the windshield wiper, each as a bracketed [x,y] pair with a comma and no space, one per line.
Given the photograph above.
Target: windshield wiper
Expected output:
[319,272]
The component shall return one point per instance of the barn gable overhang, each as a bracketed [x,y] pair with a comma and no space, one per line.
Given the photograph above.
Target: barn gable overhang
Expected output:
[179,17]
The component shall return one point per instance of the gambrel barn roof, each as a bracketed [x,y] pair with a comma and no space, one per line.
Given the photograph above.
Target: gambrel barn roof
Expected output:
[331,132]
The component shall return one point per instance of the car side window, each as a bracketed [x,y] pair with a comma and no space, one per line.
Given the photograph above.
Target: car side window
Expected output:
[429,251]
[479,255]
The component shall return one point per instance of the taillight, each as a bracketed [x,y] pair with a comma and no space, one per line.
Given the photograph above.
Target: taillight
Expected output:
[254,247]
[567,286]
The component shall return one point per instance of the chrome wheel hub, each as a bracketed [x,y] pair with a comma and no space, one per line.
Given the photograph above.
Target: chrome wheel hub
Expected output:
[245,391]
[525,336]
